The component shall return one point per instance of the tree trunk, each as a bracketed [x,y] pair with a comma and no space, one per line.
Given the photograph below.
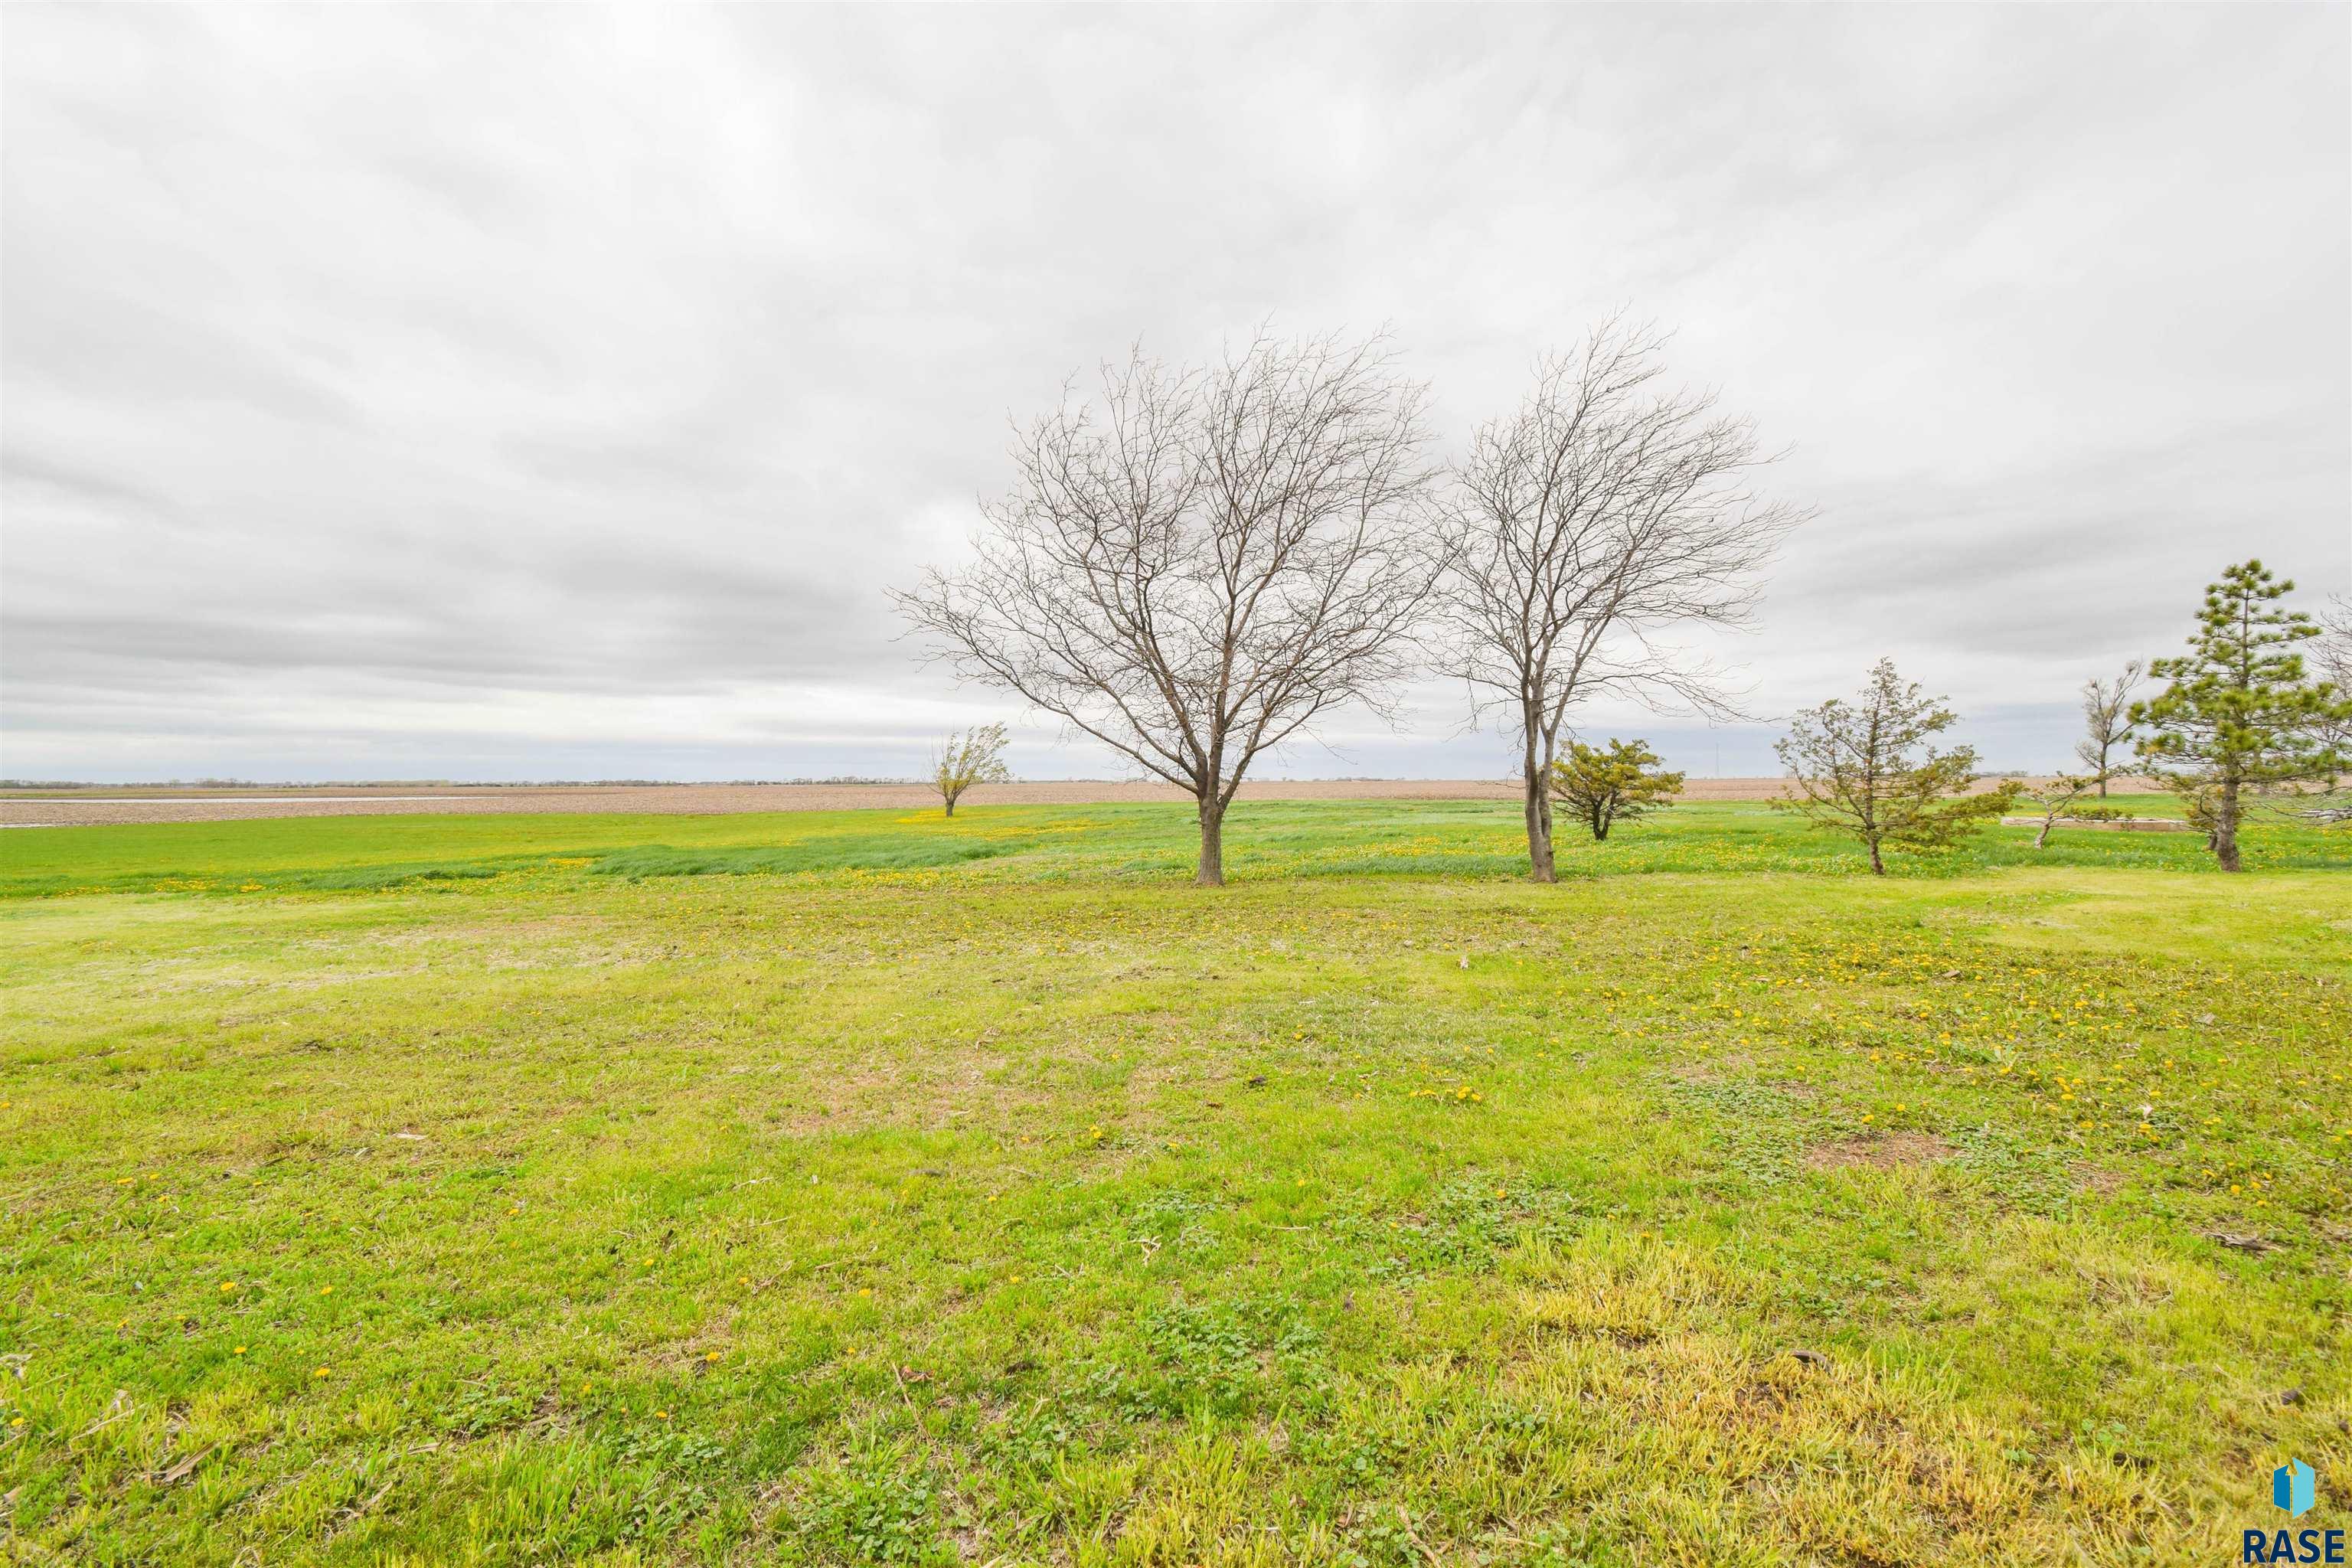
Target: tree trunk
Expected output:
[950,800]
[1877,866]
[1212,873]
[2225,826]
[1539,810]
[2043,837]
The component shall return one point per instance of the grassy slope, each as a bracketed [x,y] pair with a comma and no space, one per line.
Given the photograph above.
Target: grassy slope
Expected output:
[912,1202]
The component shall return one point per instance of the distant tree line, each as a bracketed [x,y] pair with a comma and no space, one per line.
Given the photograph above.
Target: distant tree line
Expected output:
[1199,562]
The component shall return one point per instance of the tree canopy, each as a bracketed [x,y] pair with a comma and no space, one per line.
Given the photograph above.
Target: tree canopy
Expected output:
[1869,768]
[1603,786]
[2240,716]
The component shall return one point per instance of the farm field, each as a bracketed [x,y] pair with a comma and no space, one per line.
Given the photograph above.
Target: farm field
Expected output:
[863,1186]
[27,806]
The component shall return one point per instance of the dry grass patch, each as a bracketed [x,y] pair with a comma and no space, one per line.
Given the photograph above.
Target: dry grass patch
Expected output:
[1878,1152]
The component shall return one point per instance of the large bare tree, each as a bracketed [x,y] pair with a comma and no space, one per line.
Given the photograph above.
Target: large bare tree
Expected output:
[1584,530]
[1203,562]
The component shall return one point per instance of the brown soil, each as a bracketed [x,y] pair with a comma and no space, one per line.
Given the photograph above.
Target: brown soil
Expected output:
[2097,1180]
[157,803]
[1889,1153]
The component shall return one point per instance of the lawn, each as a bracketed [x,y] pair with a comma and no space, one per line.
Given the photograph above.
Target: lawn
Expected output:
[870,1187]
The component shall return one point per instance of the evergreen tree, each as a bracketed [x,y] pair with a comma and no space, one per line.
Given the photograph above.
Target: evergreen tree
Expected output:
[1867,768]
[2240,717]
[1601,787]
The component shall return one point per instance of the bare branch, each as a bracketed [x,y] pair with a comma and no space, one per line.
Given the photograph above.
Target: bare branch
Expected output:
[1200,563]
[2107,720]
[1587,528]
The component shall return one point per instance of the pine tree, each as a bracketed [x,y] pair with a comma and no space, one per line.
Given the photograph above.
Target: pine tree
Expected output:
[1866,768]
[1599,788]
[2240,717]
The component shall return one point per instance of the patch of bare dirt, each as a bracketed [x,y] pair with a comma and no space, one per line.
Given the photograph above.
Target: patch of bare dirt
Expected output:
[2097,1180]
[1883,1151]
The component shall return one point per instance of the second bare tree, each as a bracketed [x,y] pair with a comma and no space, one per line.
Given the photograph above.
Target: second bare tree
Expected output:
[1586,529]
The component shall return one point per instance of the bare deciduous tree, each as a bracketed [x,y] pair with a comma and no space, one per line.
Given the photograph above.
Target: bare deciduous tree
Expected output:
[2331,656]
[1206,564]
[2333,653]
[974,757]
[2106,721]
[1584,529]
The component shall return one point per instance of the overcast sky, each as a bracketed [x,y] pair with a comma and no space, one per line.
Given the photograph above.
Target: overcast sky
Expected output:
[537,390]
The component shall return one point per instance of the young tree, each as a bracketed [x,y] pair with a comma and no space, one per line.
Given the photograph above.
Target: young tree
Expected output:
[1867,768]
[974,757]
[1585,528]
[2107,720]
[2331,656]
[2056,797]
[1599,788]
[2239,717]
[1207,563]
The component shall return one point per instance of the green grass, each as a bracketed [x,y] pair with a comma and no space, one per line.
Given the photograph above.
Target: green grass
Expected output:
[1449,839]
[517,1190]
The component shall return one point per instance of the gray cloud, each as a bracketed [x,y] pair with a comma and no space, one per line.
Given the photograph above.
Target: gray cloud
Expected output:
[526,390]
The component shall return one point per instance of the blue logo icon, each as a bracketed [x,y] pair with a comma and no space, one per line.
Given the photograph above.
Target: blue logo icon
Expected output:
[2294,1489]
[2291,1488]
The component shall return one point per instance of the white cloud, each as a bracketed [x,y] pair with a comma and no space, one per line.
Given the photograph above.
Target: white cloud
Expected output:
[529,390]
